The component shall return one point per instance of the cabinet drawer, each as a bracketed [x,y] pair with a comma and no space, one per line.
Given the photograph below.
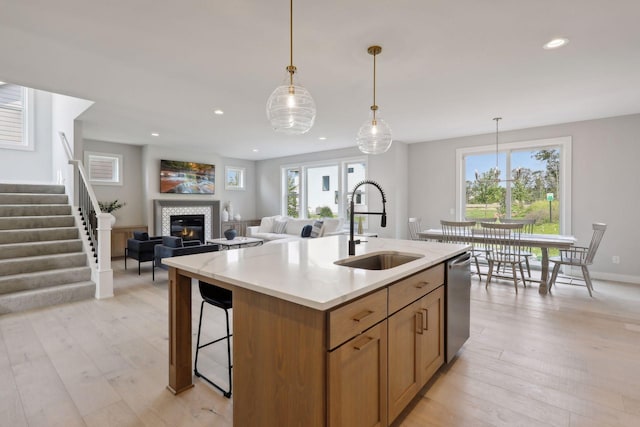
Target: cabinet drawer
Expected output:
[355,317]
[410,289]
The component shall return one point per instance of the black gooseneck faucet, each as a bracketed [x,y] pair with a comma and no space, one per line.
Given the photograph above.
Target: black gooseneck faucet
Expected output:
[383,220]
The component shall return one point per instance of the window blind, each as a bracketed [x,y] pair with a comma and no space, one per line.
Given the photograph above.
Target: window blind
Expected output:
[11,113]
[103,168]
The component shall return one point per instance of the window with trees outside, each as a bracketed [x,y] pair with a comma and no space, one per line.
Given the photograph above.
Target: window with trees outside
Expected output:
[527,180]
[321,190]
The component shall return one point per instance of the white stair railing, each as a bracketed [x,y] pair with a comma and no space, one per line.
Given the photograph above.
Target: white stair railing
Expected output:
[96,223]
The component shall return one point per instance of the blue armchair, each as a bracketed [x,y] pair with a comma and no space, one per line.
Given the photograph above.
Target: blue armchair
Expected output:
[141,248]
[174,246]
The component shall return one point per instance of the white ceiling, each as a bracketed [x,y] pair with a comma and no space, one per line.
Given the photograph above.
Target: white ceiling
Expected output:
[447,66]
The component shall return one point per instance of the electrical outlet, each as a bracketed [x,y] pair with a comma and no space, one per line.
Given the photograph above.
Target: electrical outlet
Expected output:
[615,259]
[452,211]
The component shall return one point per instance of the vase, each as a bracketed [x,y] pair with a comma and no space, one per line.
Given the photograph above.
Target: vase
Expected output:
[225,215]
[237,217]
[230,234]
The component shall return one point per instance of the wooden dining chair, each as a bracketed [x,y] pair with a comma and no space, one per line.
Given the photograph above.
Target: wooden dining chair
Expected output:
[527,228]
[414,228]
[579,256]
[503,248]
[462,232]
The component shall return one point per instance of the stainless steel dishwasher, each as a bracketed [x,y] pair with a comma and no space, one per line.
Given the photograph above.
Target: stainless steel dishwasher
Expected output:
[457,301]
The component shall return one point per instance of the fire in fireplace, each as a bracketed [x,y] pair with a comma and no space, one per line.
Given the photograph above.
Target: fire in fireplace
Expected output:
[189,227]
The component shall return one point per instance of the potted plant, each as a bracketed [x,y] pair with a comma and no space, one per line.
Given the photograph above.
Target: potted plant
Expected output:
[110,207]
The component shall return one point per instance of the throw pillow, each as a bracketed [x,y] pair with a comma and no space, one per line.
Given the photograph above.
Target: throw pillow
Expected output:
[331,225]
[306,231]
[316,230]
[266,224]
[172,241]
[279,226]
[141,235]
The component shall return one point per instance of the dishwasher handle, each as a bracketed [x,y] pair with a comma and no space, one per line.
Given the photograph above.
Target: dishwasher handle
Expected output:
[463,261]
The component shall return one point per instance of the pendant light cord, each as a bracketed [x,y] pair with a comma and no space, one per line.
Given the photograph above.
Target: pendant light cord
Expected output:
[497,119]
[291,68]
[374,107]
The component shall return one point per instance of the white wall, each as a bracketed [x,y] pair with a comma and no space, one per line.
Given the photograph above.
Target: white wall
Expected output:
[605,183]
[132,190]
[64,111]
[388,169]
[244,202]
[24,166]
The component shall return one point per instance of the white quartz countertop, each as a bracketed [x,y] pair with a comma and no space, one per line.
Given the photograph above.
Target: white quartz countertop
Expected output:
[303,271]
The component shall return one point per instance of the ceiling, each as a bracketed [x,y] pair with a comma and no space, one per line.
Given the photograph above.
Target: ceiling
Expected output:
[446,68]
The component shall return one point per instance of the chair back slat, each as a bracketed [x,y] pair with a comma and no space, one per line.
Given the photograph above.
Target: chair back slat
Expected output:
[457,231]
[527,224]
[414,228]
[503,241]
[598,233]
[527,227]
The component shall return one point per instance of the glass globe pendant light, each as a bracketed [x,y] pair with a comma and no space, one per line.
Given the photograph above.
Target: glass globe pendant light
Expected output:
[374,136]
[290,108]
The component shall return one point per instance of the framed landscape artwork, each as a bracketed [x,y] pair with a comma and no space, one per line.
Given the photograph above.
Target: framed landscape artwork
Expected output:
[234,178]
[187,177]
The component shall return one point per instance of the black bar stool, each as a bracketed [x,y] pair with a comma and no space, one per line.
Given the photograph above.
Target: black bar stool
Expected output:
[221,298]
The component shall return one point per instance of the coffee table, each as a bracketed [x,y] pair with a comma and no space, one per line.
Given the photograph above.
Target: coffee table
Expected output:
[238,242]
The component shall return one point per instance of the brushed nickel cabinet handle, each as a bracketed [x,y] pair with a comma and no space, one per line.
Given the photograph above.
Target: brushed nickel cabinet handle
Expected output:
[365,341]
[419,320]
[362,315]
[426,318]
[422,284]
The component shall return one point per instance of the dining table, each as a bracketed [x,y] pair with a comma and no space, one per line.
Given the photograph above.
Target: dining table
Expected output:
[542,241]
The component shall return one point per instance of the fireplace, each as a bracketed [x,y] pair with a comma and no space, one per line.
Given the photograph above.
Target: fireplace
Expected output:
[165,209]
[189,227]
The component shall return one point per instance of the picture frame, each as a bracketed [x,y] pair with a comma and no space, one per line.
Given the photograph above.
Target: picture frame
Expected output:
[234,178]
[181,177]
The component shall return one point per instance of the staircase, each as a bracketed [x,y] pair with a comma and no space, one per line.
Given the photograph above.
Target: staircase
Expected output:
[42,261]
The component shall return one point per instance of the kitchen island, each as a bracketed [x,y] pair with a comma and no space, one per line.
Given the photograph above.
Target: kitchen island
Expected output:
[316,343]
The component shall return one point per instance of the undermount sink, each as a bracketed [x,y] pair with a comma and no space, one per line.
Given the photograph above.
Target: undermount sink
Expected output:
[379,260]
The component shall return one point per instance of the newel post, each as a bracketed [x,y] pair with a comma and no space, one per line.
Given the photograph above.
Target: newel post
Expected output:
[104,273]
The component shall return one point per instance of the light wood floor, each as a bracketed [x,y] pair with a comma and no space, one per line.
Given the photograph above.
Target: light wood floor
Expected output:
[558,360]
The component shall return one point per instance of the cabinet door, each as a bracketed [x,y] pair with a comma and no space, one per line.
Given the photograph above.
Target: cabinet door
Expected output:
[357,391]
[431,348]
[405,334]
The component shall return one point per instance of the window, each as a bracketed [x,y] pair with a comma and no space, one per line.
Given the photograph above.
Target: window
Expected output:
[292,192]
[527,172]
[16,124]
[321,188]
[103,168]
[234,178]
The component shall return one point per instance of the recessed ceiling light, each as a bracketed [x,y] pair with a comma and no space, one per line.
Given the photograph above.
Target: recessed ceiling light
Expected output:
[155,134]
[322,138]
[555,43]
[255,150]
[218,112]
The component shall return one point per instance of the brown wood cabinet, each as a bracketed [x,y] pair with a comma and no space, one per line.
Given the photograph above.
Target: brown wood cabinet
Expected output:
[357,389]
[119,236]
[359,364]
[239,226]
[416,343]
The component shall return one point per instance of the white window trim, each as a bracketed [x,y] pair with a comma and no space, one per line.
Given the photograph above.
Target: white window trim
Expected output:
[28,128]
[341,162]
[119,162]
[564,142]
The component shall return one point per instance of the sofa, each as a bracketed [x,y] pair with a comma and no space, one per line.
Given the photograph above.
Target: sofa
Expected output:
[174,246]
[281,227]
